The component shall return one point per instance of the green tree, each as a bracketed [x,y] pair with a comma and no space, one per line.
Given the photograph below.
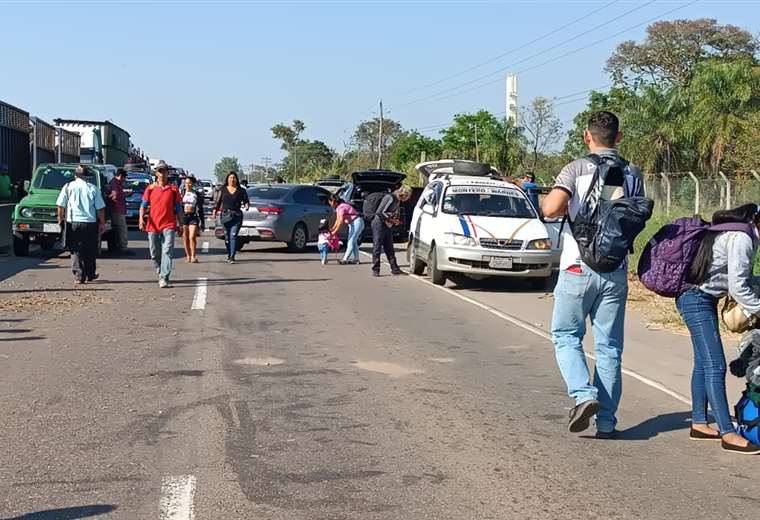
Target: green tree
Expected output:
[721,98]
[367,135]
[509,148]
[673,49]
[409,148]
[225,166]
[471,134]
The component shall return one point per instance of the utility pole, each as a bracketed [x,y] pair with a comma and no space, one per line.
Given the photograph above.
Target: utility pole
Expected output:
[380,139]
[477,149]
[266,160]
[295,163]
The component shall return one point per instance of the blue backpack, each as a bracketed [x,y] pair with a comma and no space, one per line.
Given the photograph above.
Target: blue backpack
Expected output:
[747,415]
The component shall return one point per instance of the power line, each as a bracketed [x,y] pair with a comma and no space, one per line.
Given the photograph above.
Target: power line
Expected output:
[482,85]
[512,51]
[535,55]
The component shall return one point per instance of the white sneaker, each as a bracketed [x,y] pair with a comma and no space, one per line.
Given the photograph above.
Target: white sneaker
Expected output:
[163,283]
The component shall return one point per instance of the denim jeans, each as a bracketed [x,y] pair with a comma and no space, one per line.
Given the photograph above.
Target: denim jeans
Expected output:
[601,297]
[699,311]
[355,230]
[161,251]
[324,250]
[231,230]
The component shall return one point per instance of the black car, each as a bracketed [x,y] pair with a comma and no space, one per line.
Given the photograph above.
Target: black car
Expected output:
[372,181]
[134,187]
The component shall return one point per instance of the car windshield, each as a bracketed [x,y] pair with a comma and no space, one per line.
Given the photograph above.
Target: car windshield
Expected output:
[136,185]
[267,192]
[54,178]
[490,201]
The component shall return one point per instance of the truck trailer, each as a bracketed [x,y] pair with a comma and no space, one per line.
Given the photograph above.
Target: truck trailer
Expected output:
[14,145]
[102,142]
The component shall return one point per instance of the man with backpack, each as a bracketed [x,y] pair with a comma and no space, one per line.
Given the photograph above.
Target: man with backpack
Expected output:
[601,198]
[380,210]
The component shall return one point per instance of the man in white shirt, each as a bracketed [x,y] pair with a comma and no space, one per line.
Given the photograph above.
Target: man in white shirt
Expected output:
[582,292]
[81,205]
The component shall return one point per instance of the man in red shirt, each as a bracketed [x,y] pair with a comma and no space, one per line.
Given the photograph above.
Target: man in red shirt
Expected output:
[164,201]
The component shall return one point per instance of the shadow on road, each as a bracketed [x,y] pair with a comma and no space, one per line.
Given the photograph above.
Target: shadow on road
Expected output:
[502,284]
[67,513]
[654,426]
[30,291]
[12,265]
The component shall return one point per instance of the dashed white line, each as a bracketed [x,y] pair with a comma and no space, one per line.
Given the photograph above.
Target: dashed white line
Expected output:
[538,332]
[199,299]
[177,498]
[204,247]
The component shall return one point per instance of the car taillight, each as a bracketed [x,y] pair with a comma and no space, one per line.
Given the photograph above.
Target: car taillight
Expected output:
[271,210]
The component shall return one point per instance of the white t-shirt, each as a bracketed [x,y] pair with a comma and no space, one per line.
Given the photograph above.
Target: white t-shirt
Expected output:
[575,179]
[189,202]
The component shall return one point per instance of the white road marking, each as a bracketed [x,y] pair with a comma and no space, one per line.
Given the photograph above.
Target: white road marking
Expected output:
[204,247]
[199,300]
[538,332]
[177,496]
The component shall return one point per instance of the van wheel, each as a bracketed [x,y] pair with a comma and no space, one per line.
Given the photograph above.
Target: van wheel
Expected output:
[21,245]
[299,238]
[437,276]
[416,265]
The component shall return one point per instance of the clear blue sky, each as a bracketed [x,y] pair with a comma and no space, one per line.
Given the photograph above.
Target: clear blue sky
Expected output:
[193,81]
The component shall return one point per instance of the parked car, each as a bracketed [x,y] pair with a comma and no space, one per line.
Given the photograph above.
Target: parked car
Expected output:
[330,184]
[35,216]
[287,213]
[134,187]
[470,221]
[370,181]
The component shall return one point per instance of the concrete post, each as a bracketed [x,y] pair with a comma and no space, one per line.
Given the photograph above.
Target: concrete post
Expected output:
[728,189]
[696,192]
[667,192]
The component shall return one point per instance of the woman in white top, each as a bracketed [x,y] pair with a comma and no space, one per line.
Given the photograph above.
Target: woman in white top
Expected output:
[192,218]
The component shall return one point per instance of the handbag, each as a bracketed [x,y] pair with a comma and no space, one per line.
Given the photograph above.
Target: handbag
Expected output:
[735,319]
[228,216]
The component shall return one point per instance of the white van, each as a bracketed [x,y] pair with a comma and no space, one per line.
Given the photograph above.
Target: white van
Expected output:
[468,220]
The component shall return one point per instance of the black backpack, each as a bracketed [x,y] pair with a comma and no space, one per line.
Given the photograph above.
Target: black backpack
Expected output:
[371,203]
[605,229]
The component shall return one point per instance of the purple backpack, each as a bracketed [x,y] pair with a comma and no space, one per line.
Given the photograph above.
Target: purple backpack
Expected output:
[666,259]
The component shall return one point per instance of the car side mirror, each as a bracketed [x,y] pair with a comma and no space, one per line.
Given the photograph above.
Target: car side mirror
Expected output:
[27,185]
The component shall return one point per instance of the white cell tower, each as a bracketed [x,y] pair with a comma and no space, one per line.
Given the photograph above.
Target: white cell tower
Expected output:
[512,97]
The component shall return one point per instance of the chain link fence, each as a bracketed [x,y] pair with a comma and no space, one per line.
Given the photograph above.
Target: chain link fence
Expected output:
[689,193]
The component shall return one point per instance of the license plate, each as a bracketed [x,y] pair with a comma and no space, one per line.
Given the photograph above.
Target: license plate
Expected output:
[248,232]
[51,228]
[498,262]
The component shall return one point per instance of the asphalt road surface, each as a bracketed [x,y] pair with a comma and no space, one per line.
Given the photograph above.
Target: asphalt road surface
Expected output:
[281,389]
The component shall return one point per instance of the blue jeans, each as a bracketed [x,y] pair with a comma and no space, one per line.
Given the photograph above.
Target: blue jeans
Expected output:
[161,251]
[601,297]
[231,230]
[355,230]
[699,311]
[324,250]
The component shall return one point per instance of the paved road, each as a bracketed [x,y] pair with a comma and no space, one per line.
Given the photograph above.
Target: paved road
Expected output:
[302,391]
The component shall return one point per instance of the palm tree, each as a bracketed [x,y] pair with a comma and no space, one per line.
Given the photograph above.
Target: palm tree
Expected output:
[722,96]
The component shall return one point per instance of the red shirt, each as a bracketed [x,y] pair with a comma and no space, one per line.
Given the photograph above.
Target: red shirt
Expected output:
[163,203]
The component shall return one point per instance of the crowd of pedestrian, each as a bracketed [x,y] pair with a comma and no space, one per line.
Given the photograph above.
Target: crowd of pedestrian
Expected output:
[585,291]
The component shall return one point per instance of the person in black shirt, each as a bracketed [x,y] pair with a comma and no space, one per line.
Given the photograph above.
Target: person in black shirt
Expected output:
[232,198]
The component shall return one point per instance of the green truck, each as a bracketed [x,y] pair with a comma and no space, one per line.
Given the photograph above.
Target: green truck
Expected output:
[35,216]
